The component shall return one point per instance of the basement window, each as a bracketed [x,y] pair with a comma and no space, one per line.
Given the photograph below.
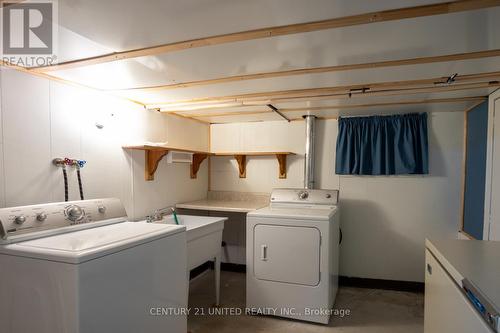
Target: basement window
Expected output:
[383,145]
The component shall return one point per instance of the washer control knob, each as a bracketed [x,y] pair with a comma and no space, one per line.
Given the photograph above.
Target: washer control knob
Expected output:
[40,217]
[303,195]
[74,213]
[328,195]
[20,219]
[101,209]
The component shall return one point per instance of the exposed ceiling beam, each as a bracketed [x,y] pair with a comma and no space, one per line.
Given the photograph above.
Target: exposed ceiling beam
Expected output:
[367,18]
[351,90]
[393,92]
[189,117]
[349,106]
[389,104]
[337,117]
[381,93]
[319,70]
[224,114]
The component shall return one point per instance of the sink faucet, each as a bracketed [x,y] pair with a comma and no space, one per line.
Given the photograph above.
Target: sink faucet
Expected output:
[158,214]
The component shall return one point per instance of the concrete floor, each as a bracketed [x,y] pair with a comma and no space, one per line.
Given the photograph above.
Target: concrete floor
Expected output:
[372,310]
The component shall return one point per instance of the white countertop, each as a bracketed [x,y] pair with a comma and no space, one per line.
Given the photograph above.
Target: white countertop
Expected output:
[223,205]
[478,261]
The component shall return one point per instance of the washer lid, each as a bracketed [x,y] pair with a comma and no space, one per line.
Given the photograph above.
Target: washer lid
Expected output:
[80,246]
[299,213]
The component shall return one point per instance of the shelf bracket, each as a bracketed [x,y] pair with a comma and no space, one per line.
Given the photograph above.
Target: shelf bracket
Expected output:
[153,157]
[242,165]
[195,165]
[282,165]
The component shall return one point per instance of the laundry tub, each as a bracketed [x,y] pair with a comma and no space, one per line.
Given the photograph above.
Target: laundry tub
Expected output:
[204,238]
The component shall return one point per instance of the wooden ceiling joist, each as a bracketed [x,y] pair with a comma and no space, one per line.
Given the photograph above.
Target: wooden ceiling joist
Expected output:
[188,117]
[393,92]
[327,69]
[367,18]
[380,93]
[400,92]
[337,117]
[349,106]
[460,82]
[234,113]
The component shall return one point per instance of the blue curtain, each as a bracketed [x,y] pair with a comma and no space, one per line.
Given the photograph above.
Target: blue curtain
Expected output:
[383,145]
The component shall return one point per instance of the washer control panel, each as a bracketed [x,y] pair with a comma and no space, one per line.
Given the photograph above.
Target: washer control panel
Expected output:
[34,218]
[306,196]
[303,195]
[74,213]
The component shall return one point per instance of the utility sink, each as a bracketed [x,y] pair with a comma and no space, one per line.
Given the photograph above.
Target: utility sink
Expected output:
[204,238]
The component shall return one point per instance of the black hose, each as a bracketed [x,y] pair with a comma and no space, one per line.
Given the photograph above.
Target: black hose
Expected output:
[65,176]
[80,185]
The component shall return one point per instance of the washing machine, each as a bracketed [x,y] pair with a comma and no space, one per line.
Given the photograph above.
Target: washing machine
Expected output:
[82,267]
[293,255]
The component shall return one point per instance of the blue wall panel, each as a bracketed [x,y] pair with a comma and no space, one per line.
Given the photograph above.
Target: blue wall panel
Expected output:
[477,125]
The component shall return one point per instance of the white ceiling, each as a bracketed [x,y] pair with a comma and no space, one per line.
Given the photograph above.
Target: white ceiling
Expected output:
[93,27]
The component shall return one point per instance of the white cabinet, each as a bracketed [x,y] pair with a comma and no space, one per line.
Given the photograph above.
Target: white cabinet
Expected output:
[447,309]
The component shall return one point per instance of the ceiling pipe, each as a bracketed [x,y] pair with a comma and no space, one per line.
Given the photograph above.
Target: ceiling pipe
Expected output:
[309,157]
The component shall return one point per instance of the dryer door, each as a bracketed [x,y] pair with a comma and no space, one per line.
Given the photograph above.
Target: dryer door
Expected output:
[287,254]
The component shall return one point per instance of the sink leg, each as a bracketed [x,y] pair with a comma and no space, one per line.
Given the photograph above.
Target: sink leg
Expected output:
[217,279]
[187,288]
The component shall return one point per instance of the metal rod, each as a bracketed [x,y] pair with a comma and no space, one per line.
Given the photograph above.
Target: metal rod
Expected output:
[309,158]
[272,107]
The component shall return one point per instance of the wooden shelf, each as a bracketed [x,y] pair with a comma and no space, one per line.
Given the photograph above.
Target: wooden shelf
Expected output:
[254,153]
[164,148]
[241,158]
[154,154]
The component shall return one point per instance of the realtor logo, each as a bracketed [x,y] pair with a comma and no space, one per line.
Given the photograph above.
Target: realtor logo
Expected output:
[28,32]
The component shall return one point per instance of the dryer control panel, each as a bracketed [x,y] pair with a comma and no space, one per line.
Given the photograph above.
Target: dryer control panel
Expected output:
[305,196]
[24,220]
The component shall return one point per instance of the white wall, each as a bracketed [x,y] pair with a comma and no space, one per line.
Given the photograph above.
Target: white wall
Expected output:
[43,119]
[385,220]
[262,172]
